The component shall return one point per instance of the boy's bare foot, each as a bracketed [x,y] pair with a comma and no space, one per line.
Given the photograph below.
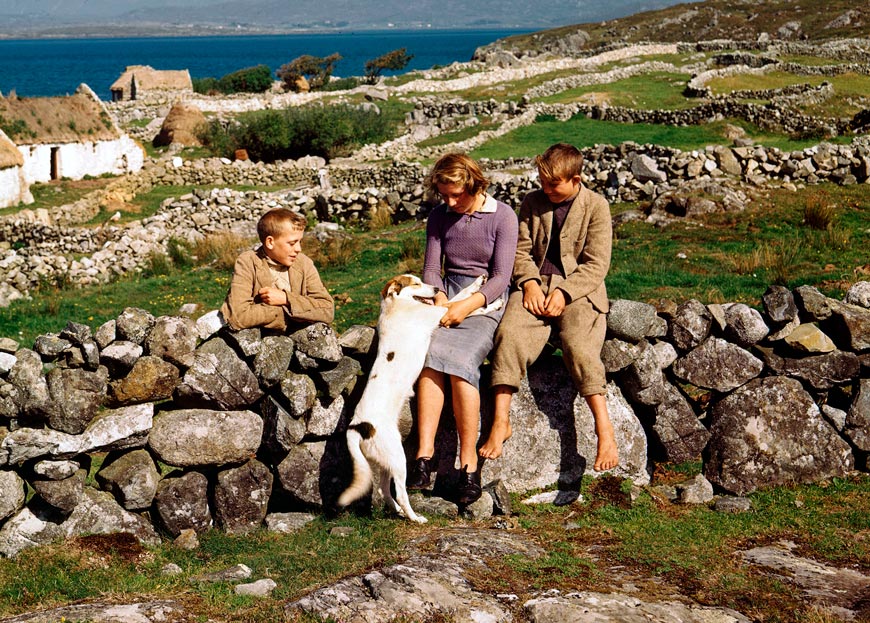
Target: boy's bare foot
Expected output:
[500,433]
[608,455]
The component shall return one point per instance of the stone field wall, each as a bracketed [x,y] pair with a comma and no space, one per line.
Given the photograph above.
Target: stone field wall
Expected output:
[198,426]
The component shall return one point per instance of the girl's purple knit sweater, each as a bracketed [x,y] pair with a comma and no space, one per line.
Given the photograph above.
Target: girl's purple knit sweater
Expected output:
[471,245]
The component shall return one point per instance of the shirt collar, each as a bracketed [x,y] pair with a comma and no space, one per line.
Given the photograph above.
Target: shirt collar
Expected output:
[489,206]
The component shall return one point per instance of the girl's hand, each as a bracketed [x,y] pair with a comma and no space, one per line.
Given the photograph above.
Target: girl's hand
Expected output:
[458,311]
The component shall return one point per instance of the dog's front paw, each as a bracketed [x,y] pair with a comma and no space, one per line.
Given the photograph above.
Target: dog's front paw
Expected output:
[418,518]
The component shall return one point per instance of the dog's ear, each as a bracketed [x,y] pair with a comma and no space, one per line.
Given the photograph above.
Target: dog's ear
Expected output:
[391,288]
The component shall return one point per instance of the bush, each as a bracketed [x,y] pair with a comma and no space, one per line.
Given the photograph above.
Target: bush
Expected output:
[395,60]
[270,135]
[249,80]
[341,84]
[206,86]
[315,69]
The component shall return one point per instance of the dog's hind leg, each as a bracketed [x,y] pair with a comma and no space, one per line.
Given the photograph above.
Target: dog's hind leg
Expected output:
[403,501]
[387,494]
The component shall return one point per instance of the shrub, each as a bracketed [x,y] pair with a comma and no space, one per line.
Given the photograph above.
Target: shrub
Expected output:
[395,60]
[315,69]
[819,212]
[220,250]
[341,84]
[380,217]
[327,131]
[206,86]
[249,80]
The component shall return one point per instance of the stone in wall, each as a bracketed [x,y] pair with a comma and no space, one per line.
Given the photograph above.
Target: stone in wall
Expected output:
[181,503]
[198,437]
[770,432]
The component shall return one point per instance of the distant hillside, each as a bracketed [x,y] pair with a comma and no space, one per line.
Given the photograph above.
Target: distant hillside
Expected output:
[186,17]
[748,20]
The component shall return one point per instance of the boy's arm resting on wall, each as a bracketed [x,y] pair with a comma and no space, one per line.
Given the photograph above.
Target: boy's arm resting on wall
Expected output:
[240,309]
[312,303]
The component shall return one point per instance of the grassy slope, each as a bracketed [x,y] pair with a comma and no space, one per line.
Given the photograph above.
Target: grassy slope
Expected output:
[715,19]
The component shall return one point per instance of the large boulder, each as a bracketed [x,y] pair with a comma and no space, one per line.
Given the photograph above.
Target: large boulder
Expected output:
[554,425]
[857,424]
[677,428]
[99,513]
[28,529]
[315,473]
[64,494]
[174,339]
[193,437]
[151,379]
[770,432]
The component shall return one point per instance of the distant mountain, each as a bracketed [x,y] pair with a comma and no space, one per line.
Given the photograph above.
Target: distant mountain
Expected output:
[100,17]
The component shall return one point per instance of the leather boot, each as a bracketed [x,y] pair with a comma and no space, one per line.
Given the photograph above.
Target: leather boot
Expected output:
[469,486]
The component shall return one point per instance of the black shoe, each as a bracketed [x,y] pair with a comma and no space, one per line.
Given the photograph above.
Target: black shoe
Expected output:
[419,476]
[469,486]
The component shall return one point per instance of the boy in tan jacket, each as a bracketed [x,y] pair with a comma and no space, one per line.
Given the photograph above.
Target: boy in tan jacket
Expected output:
[563,255]
[277,286]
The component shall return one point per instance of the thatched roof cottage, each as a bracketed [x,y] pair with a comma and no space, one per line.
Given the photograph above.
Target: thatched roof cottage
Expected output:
[63,137]
[13,188]
[140,80]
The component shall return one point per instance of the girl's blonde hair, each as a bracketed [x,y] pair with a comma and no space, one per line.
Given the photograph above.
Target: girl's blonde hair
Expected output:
[457,169]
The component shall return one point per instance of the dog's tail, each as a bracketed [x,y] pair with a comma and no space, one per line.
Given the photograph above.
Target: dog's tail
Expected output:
[362,471]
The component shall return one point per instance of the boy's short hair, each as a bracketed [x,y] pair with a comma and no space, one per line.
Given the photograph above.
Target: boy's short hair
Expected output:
[279,220]
[561,161]
[459,169]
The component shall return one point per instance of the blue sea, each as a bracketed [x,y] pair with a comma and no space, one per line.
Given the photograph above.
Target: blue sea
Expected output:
[45,67]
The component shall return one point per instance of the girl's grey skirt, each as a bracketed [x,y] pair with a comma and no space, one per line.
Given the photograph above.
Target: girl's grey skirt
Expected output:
[460,350]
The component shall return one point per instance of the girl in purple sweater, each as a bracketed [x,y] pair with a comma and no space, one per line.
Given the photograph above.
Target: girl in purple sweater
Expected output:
[467,235]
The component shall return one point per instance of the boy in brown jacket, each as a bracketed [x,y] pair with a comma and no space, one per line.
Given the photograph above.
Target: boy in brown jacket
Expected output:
[277,286]
[563,255]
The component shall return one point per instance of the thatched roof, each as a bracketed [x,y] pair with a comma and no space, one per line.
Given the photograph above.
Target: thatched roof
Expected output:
[9,154]
[68,119]
[147,79]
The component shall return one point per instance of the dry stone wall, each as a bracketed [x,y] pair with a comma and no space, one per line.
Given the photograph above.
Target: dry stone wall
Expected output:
[43,246]
[198,426]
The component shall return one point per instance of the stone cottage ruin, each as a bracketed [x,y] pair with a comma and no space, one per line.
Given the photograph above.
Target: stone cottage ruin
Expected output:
[59,137]
[138,81]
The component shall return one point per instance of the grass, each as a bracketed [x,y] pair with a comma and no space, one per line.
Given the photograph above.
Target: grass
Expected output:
[731,258]
[528,141]
[58,193]
[656,90]
[850,90]
[659,547]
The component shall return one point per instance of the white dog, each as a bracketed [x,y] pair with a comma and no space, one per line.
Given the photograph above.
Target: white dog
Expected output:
[405,328]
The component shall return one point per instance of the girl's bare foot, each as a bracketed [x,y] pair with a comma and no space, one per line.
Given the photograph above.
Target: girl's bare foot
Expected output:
[500,433]
[608,456]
